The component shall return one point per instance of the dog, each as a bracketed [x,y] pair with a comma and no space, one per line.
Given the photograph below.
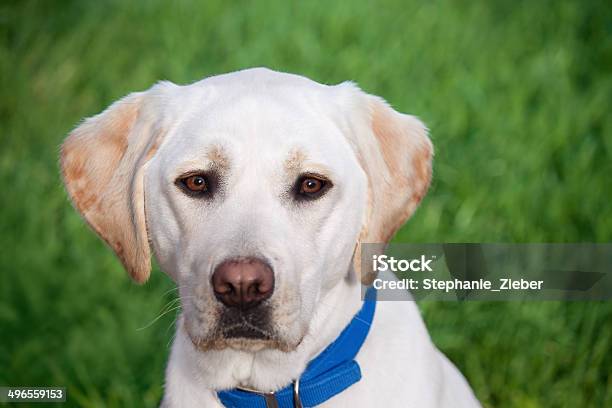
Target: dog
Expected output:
[255,191]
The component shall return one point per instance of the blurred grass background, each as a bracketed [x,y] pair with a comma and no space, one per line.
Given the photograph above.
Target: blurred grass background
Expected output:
[517,95]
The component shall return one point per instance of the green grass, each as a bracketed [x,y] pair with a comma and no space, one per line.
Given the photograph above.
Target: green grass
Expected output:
[517,95]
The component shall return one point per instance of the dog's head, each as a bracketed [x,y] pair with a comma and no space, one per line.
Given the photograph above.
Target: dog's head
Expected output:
[255,190]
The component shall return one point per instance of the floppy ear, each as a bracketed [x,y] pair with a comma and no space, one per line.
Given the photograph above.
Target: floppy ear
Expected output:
[102,167]
[396,155]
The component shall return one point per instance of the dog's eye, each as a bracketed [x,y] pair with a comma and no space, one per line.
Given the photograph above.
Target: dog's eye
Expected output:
[310,187]
[195,184]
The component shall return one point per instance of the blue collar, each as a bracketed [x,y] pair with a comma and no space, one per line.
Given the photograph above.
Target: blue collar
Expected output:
[330,373]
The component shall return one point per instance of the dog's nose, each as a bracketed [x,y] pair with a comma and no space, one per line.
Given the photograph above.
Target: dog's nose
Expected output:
[243,282]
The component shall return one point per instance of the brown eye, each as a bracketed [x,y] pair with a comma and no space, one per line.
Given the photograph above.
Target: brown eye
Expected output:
[310,187]
[196,183]
[200,184]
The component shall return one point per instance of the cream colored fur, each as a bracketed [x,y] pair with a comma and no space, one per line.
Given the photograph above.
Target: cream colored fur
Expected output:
[259,130]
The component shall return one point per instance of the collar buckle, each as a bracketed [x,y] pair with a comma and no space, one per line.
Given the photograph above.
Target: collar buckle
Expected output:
[270,397]
[297,403]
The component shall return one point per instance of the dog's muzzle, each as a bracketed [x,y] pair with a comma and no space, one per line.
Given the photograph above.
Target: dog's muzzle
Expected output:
[242,285]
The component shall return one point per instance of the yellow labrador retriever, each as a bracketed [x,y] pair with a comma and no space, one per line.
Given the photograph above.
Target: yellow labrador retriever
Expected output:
[254,190]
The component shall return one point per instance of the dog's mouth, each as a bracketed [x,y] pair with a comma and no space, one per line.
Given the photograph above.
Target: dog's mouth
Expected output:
[241,339]
[246,330]
[249,330]
[253,324]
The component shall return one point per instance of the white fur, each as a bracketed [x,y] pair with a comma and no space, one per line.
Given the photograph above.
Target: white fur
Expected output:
[256,124]
[399,364]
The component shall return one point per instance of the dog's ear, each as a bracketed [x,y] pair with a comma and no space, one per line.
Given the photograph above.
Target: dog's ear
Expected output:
[396,154]
[102,166]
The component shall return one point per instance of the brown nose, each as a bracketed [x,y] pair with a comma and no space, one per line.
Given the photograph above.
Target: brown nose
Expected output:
[243,282]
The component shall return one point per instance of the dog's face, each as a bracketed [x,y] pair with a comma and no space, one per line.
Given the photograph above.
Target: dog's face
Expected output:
[254,173]
[254,190]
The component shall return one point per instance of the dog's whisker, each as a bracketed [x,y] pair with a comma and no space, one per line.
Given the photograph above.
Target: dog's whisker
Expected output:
[159,317]
[172,323]
[176,288]
[172,338]
[170,304]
